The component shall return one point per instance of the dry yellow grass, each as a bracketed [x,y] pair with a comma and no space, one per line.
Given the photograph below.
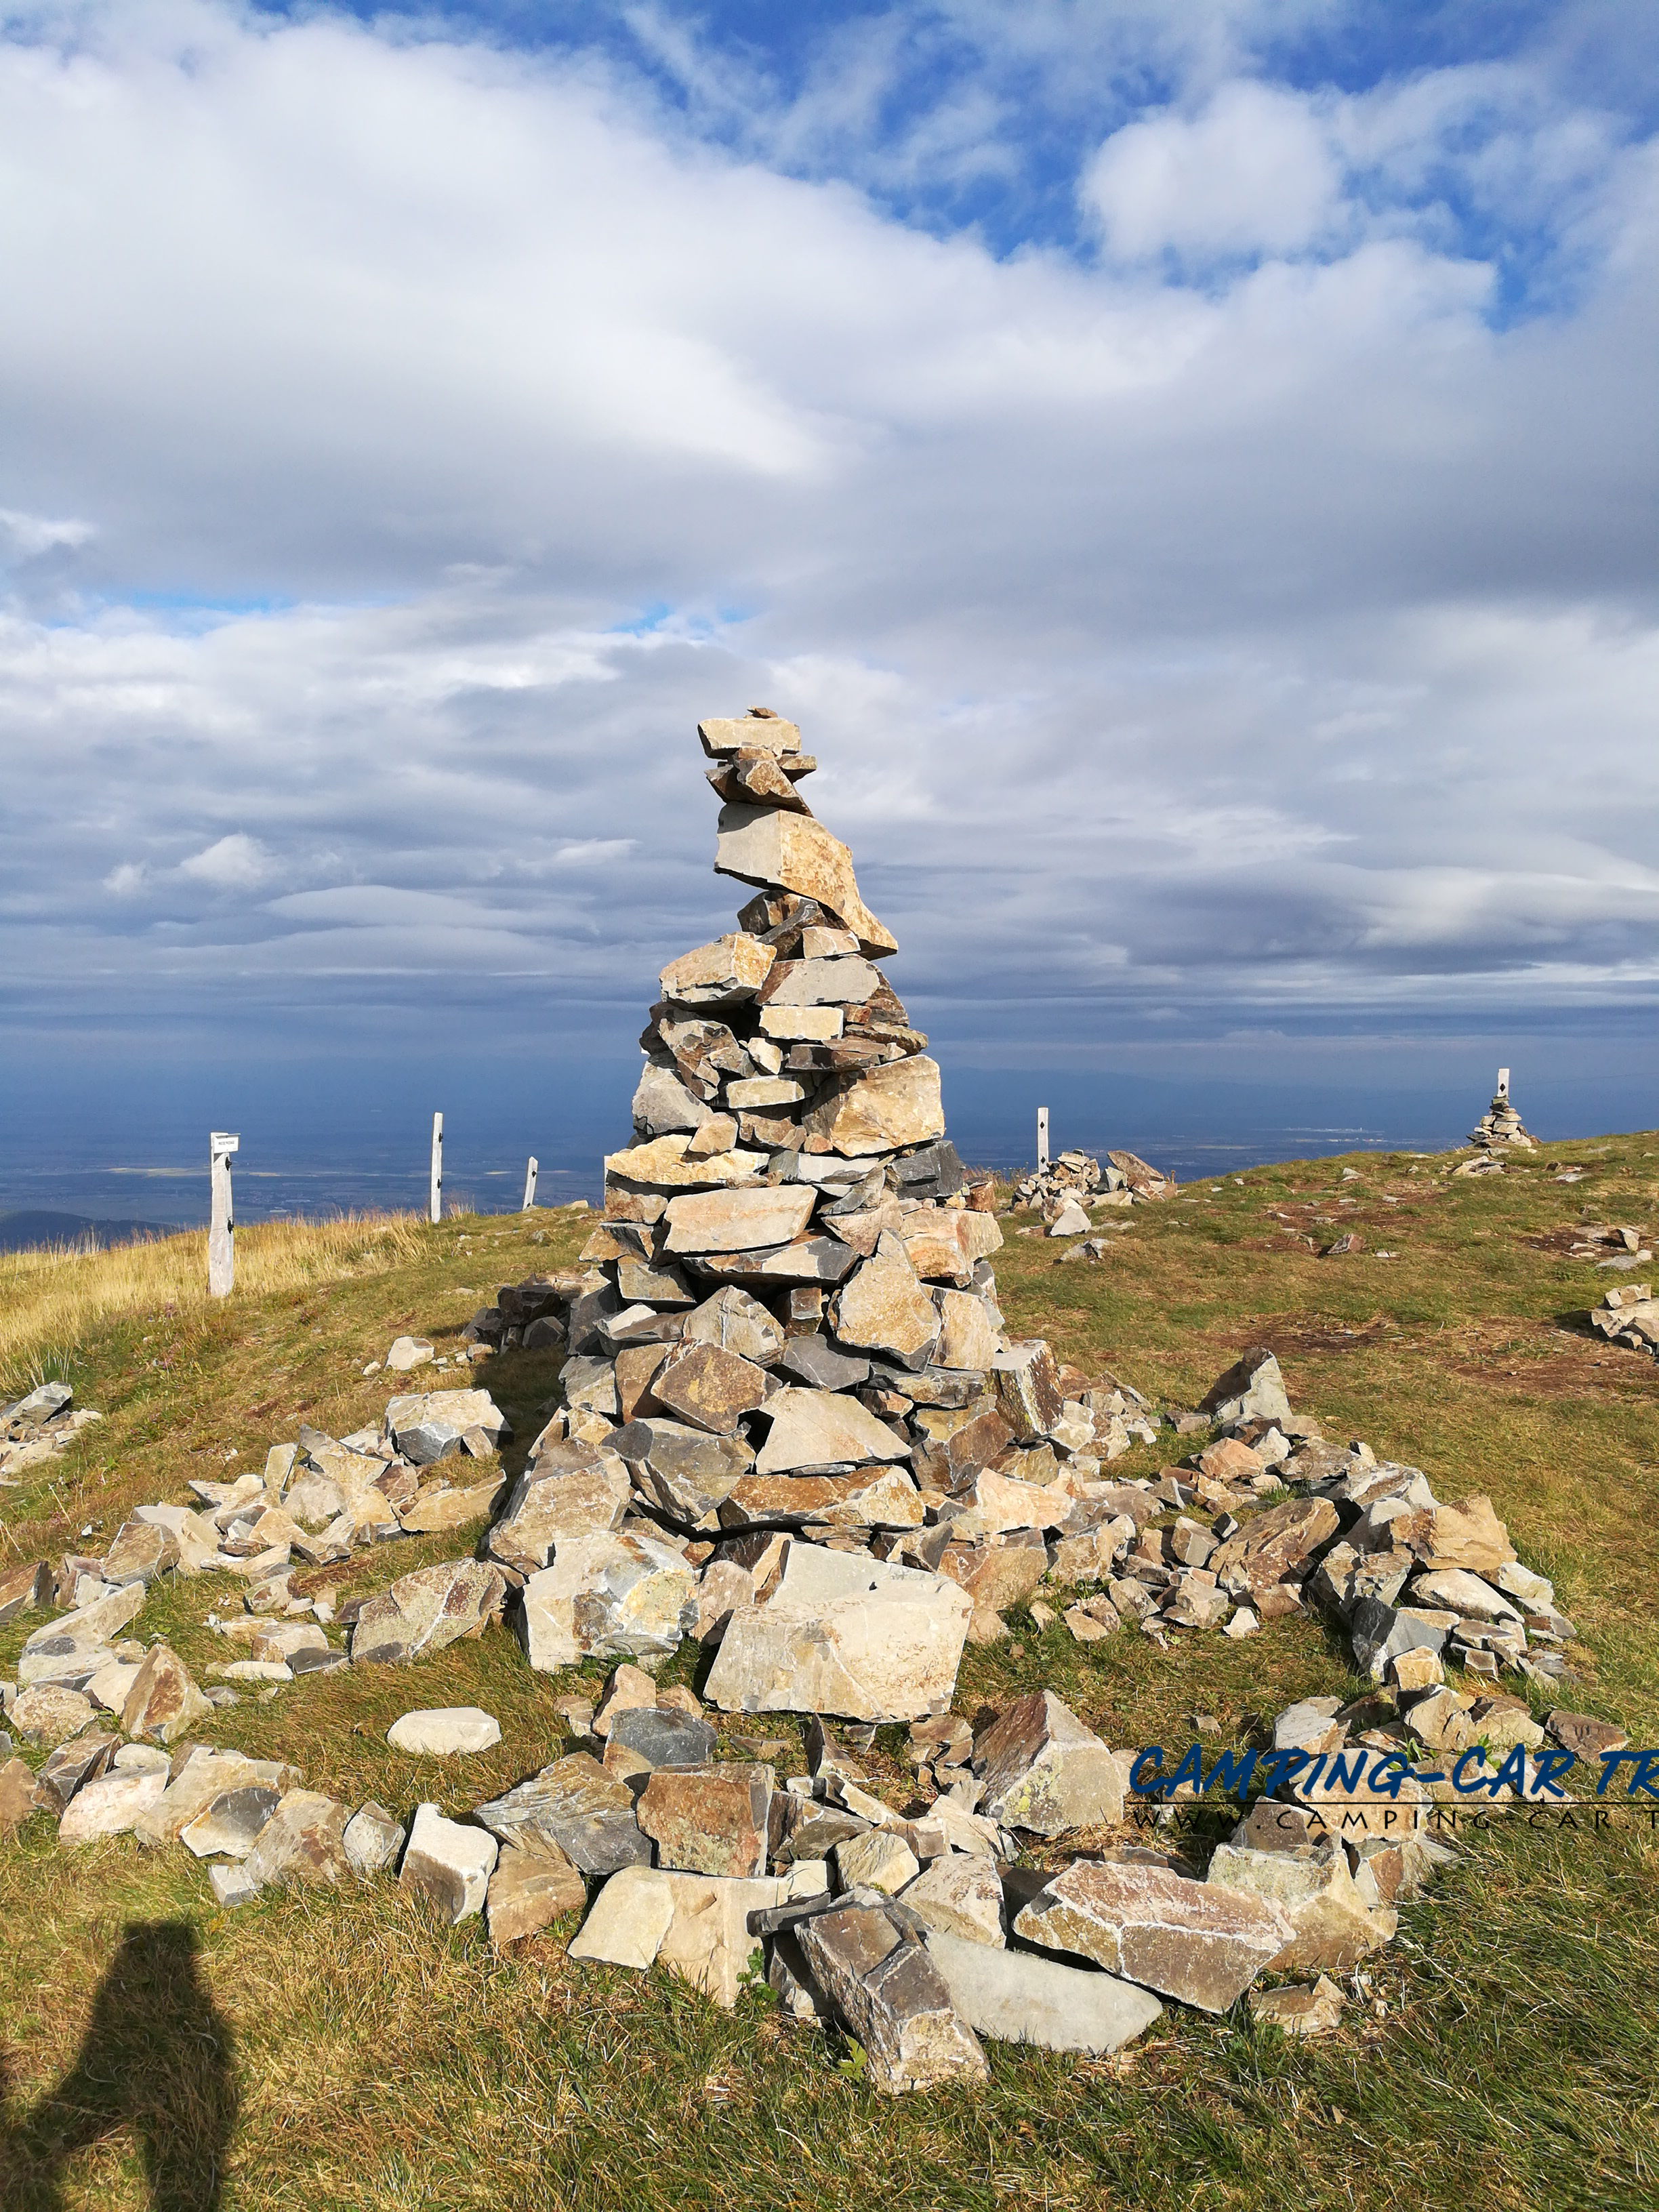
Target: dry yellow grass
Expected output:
[51,1300]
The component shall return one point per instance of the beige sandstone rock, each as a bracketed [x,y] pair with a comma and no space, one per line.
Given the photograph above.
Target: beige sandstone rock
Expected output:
[766,847]
[112,1805]
[1304,2008]
[737,1323]
[426,1610]
[48,1715]
[668,1162]
[738,1220]
[882,1307]
[303,1842]
[960,1895]
[890,1105]
[725,734]
[733,967]
[164,1701]
[1334,1925]
[449,1863]
[967,1336]
[530,1888]
[844,1635]
[708,1388]
[1185,1939]
[1266,1548]
[604,1596]
[821,1428]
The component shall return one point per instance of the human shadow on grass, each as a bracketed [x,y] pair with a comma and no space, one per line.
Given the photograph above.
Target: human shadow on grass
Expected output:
[156,2061]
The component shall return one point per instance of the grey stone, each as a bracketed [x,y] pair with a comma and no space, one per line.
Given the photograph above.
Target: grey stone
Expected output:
[1018,1998]
[663,1736]
[662,1103]
[892,1997]
[685,1472]
[1380,1632]
[575,1804]
[812,1360]
[819,1430]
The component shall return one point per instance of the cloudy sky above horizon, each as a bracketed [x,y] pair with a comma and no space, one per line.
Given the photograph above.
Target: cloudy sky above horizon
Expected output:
[1191,470]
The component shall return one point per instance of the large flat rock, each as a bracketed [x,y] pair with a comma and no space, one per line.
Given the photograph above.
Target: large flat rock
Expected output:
[814,1428]
[1016,1998]
[895,1103]
[1185,1939]
[605,1596]
[738,1220]
[794,853]
[426,1610]
[846,1635]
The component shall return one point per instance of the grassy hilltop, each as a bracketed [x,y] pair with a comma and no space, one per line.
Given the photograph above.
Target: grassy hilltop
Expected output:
[1498,2053]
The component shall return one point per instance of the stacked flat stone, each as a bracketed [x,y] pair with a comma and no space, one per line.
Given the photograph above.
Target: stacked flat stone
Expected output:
[1076,1178]
[787,1324]
[1500,1128]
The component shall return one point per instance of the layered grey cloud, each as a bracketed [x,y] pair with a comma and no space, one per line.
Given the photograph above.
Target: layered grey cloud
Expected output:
[1246,614]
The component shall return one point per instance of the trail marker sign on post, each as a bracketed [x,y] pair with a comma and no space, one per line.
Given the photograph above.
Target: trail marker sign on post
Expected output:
[221,1221]
[530,1183]
[1043,1140]
[436,1208]
[1502,1083]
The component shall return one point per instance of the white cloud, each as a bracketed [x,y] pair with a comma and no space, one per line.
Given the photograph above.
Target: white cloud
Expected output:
[128,878]
[28,536]
[234,863]
[1254,171]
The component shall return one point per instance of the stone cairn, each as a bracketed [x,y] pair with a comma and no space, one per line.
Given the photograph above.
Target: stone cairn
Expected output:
[1500,1128]
[1076,1181]
[788,1324]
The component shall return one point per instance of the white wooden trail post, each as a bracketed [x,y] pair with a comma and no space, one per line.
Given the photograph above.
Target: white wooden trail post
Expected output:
[437,1202]
[1043,1140]
[1502,1083]
[221,1222]
[530,1183]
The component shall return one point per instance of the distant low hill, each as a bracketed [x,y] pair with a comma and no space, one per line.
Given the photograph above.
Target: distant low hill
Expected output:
[22,1232]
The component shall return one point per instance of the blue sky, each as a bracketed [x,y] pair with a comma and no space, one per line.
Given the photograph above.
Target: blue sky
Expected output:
[1192,470]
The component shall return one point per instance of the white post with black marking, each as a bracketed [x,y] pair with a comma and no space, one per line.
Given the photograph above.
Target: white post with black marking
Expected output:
[1042,1140]
[530,1183]
[1503,1084]
[436,1207]
[221,1221]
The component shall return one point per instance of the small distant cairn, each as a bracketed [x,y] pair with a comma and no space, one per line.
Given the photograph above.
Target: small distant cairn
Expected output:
[1501,1129]
[1077,1179]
